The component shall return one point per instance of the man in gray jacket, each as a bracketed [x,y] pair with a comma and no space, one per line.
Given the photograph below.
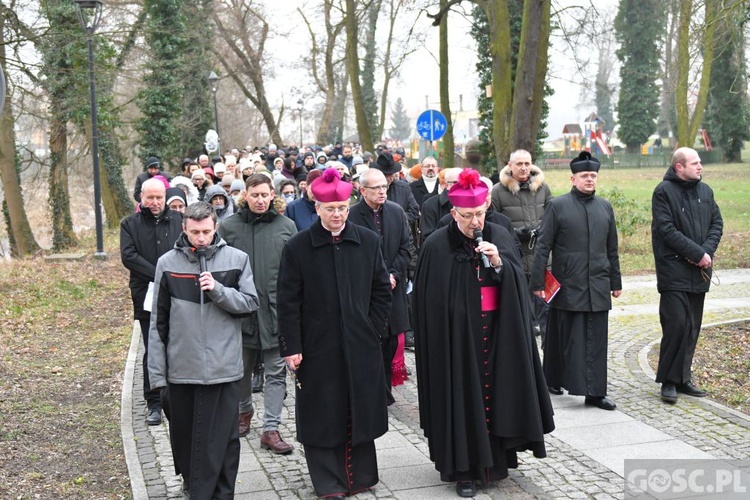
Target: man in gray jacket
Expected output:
[522,195]
[258,230]
[202,289]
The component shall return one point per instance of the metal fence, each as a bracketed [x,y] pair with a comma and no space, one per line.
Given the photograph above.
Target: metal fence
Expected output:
[623,160]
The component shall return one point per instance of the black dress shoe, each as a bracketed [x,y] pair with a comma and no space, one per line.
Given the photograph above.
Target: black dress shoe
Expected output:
[154,416]
[409,339]
[691,389]
[466,489]
[600,402]
[555,390]
[668,393]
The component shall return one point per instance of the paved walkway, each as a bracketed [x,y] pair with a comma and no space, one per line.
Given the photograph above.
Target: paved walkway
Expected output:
[586,452]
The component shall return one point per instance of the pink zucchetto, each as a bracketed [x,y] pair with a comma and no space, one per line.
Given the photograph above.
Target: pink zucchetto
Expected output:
[469,191]
[329,187]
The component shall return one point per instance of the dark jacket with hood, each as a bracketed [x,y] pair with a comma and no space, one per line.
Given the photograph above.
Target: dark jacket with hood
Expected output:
[144,237]
[686,225]
[221,213]
[262,238]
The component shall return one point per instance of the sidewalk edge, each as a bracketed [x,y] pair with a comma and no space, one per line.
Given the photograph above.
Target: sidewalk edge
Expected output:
[742,418]
[137,482]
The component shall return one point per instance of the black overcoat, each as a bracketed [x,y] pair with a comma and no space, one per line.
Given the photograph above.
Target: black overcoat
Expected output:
[396,252]
[446,316]
[581,233]
[144,238]
[333,305]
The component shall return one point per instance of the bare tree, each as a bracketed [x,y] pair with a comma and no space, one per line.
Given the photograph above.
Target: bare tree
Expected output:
[400,43]
[352,58]
[244,29]
[516,110]
[328,79]
[22,239]
[687,126]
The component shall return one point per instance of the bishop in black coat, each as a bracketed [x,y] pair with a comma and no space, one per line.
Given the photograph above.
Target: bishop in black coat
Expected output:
[482,394]
[334,297]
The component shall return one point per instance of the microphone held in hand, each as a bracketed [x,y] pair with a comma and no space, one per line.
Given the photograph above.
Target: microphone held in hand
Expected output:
[478,238]
[202,258]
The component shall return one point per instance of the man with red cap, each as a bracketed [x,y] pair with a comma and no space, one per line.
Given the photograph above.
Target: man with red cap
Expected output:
[482,395]
[579,229]
[334,297]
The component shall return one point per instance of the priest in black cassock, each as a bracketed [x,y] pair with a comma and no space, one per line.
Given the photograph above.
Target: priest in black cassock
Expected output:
[482,394]
[579,229]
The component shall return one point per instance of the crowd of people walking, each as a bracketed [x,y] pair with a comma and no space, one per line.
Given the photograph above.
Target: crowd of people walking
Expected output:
[325,264]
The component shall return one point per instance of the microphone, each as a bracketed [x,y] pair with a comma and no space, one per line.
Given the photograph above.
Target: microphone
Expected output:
[478,238]
[202,258]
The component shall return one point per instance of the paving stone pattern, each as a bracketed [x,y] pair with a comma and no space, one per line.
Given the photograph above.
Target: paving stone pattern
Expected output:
[406,471]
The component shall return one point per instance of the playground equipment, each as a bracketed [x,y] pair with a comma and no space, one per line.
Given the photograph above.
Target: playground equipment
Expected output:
[572,133]
[595,142]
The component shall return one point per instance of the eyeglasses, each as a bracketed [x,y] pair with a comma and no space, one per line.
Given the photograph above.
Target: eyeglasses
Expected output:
[333,210]
[384,187]
[450,183]
[467,217]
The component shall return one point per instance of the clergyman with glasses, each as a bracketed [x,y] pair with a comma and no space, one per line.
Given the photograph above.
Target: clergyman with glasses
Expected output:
[579,229]
[334,298]
[482,394]
[388,219]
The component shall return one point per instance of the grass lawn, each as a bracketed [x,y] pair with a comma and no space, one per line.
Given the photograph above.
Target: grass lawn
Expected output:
[64,336]
[731,188]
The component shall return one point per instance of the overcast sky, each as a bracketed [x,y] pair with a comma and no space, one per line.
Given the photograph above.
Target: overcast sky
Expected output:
[418,81]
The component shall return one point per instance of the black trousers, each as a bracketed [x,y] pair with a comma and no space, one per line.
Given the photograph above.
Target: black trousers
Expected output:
[681,315]
[205,437]
[153,398]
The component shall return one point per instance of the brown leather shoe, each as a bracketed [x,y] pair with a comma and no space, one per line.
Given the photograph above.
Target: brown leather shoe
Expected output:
[245,419]
[271,440]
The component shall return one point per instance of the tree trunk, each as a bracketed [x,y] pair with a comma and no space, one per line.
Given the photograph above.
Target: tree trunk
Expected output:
[499,24]
[115,196]
[19,231]
[540,77]
[709,43]
[63,236]
[687,127]
[683,70]
[352,61]
[339,108]
[530,75]
[445,100]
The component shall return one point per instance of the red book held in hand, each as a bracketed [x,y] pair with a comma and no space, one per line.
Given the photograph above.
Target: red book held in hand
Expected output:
[551,286]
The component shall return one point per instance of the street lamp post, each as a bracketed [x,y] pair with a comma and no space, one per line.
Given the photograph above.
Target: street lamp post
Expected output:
[213,79]
[300,105]
[90,22]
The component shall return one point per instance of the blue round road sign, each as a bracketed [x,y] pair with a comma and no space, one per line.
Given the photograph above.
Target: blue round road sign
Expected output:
[432,125]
